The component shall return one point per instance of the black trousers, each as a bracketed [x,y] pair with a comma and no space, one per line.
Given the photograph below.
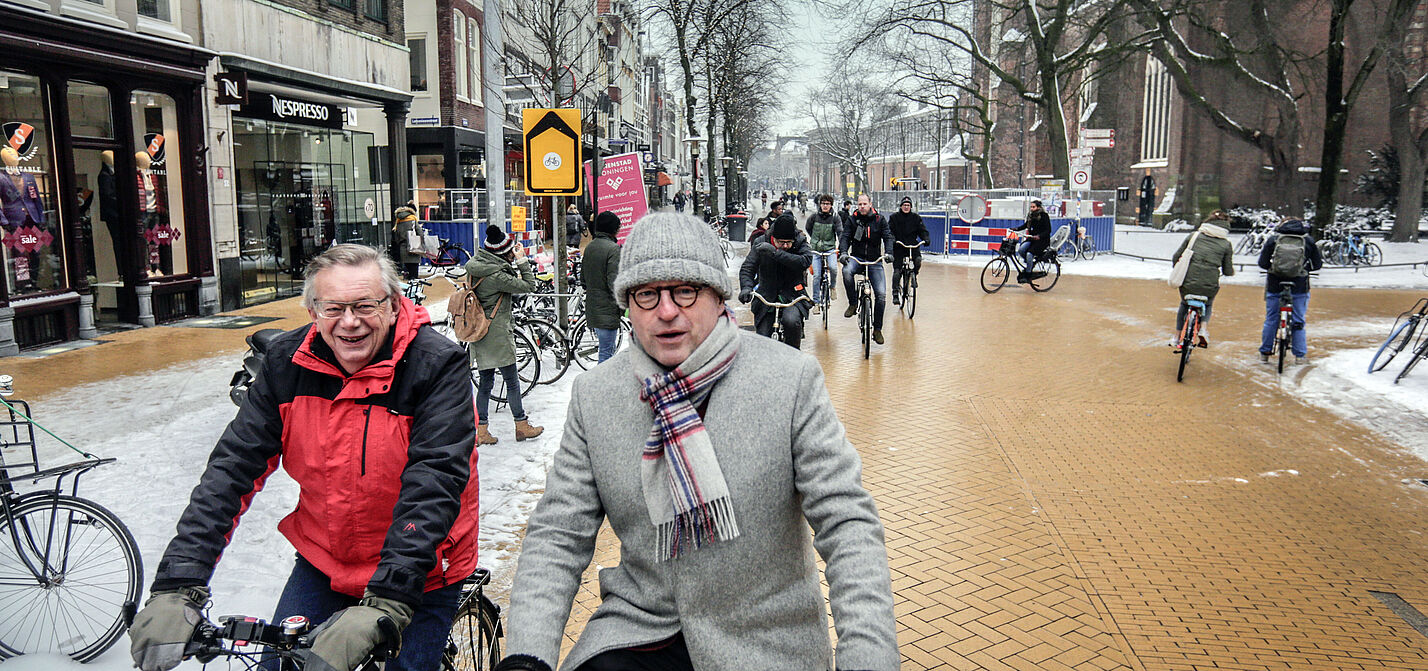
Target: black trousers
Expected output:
[792,325]
[671,657]
[900,253]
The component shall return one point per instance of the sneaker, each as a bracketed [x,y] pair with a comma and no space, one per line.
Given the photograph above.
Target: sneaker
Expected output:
[816,309]
[1301,360]
[1263,358]
[878,336]
[1174,345]
[1202,342]
[852,310]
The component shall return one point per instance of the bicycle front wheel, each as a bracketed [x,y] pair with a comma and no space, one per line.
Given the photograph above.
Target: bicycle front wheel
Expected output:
[1088,248]
[1283,348]
[1390,348]
[552,347]
[865,321]
[475,640]
[1373,256]
[70,571]
[909,297]
[994,274]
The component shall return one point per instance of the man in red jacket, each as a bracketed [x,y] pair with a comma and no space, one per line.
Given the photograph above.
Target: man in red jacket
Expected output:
[371,412]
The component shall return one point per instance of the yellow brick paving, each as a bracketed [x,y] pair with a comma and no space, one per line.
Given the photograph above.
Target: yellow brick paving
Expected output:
[1054,500]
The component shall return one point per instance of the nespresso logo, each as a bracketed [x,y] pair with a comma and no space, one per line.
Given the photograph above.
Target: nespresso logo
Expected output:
[285,108]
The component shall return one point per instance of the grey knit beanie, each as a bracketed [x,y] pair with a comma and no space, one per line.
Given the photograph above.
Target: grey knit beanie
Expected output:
[671,247]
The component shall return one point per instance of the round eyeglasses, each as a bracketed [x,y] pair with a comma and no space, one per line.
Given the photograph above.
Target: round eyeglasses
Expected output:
[683,295]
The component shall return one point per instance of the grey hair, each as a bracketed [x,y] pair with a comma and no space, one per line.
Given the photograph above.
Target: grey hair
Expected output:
[351,255]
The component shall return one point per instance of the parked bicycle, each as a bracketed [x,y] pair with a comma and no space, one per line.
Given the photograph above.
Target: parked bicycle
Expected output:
[908,283]
[450,254]
[1078,244]
[474,643]
[1253,240]
[1046,270]
[71,571]
[1408,333]
[1190,332]
[1346,247]
[865,301]
[778,313]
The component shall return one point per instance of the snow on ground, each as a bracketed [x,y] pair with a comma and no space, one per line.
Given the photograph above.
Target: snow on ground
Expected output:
[162,425]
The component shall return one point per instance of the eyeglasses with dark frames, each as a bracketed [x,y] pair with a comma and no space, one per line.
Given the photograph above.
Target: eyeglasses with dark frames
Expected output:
[363,308]
[683,295]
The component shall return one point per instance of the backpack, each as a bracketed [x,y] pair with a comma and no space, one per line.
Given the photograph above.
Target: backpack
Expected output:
[469,322]
[1288,257]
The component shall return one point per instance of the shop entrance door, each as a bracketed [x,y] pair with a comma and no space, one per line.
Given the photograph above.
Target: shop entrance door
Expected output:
[290,217]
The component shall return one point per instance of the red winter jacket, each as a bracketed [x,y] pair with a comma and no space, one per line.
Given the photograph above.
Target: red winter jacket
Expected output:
[385,460]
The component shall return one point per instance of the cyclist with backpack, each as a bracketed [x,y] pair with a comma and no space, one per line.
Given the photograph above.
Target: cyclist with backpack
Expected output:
[496,272]
[1289,256]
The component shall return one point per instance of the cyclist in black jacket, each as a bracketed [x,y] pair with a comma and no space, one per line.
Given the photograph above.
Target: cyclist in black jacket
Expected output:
[1038,238]
[777,264]
[867,237]
[907,228]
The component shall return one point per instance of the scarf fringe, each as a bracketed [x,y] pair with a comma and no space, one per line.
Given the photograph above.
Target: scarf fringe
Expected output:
[713,521]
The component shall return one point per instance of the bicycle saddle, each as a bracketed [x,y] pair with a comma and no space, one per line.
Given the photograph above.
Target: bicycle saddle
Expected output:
[262,338]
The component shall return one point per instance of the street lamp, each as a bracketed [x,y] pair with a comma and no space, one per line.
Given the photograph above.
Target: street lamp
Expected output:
[724,177]
[693,143]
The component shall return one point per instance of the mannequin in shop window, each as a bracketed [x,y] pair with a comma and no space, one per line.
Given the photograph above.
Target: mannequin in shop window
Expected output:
[153,217]
[22,214]
[109,205]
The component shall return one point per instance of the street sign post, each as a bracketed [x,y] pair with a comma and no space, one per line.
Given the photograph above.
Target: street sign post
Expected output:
[1081,177]
[972,208]
[552,144]
[1098,143]
[1100,133]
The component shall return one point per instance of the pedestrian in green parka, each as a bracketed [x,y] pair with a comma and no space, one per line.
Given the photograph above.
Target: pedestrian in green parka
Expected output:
[1213,256]
[498,271]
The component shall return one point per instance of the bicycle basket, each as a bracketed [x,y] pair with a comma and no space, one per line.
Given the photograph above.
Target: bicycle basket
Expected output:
[1008,247]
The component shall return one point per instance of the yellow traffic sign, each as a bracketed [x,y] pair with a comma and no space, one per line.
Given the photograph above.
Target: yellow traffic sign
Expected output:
[552,143]
[518,219]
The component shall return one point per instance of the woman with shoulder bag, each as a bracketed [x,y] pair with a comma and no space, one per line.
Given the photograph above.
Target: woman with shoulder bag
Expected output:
[1211,255]
[502,270]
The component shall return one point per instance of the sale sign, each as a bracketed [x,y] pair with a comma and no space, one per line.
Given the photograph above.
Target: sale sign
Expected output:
[622,190]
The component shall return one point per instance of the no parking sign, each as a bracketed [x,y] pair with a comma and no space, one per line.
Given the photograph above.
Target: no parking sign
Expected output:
[972,208]
[1080,177]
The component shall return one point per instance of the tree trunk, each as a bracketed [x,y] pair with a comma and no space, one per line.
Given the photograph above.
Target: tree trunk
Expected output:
[1336,118]
[1056,123]
[1412,169]
[1412,148]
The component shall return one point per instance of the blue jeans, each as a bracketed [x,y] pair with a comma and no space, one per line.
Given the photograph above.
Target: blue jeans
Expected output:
[1298,339]
[818,278]
[607,339]
[880,288]
[1024,251]
[487,379]
[309,592]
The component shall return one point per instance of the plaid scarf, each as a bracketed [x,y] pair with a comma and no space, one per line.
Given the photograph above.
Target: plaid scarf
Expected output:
[684,489]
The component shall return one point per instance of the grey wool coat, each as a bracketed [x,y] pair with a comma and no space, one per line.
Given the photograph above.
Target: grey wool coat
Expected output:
[753,602]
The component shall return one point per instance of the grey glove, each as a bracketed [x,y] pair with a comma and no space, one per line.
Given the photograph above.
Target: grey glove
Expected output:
[163,628]
[349,637]
[746,295]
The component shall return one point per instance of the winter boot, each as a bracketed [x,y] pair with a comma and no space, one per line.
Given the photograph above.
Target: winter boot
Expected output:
[524,430]
[852,310]
[483,436]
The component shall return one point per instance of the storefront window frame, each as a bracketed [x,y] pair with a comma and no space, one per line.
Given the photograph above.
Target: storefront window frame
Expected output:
[58,247]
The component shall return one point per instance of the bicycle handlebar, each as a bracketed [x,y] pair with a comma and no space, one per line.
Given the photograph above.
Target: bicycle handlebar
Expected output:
[789,304]
[865,263]
[210,641]
[903,244]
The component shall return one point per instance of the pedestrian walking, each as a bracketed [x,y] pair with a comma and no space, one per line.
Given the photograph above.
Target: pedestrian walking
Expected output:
[710,452]
[574,226]
[679,201]
[498,271]
[599,266]
[405,222]
[380,558]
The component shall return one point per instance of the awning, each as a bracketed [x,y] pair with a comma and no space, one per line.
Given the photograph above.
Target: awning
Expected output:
[663,179]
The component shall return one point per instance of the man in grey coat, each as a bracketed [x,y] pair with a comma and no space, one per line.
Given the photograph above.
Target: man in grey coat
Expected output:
[711,452]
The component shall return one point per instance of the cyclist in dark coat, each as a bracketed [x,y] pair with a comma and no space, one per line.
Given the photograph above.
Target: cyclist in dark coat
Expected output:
[777,264]
[1038,238]
[907,228]
[867,237]
[1299,295]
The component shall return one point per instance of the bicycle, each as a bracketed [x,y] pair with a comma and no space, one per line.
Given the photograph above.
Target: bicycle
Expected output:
[1286,323]
[1254,238]
[449,253]
[1079,244]
[286,641]
[908,282]
[721,230]
[828,282]
[1190,331]
[475,639]
[1042,277]
[1403,333]
[72,573]
[778,313]
[1348,248]
[864,291]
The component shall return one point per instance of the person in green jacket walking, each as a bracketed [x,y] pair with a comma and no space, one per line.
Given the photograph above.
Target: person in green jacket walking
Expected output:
[599,265]
[502,270]
[823,228]
[1213,256]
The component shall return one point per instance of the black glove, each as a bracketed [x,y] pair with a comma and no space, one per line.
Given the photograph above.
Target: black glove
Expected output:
[163,628]
[522,663]
[926,243]
[887,258]
[349,637]
[765,247]
[746,295]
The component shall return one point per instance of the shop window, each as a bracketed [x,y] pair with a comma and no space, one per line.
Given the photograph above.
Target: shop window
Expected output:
[158,184]
[89,111]
[156,9]
[376,9]
[458,32]
[417,48]
[31,242]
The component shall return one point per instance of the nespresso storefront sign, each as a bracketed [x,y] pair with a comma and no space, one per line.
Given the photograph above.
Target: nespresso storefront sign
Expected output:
[292,110]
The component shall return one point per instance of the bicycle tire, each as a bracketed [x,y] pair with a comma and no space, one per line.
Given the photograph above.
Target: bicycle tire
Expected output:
[100,578]
[1052,268]
[552,346]
[1187,342]
[1088,248]
[994,274]
[527,368]
[909,297]
[474,643]
[1283,347]
[1373,256]
[865,321]
[902,285]
[1397,340]
[1420,353]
